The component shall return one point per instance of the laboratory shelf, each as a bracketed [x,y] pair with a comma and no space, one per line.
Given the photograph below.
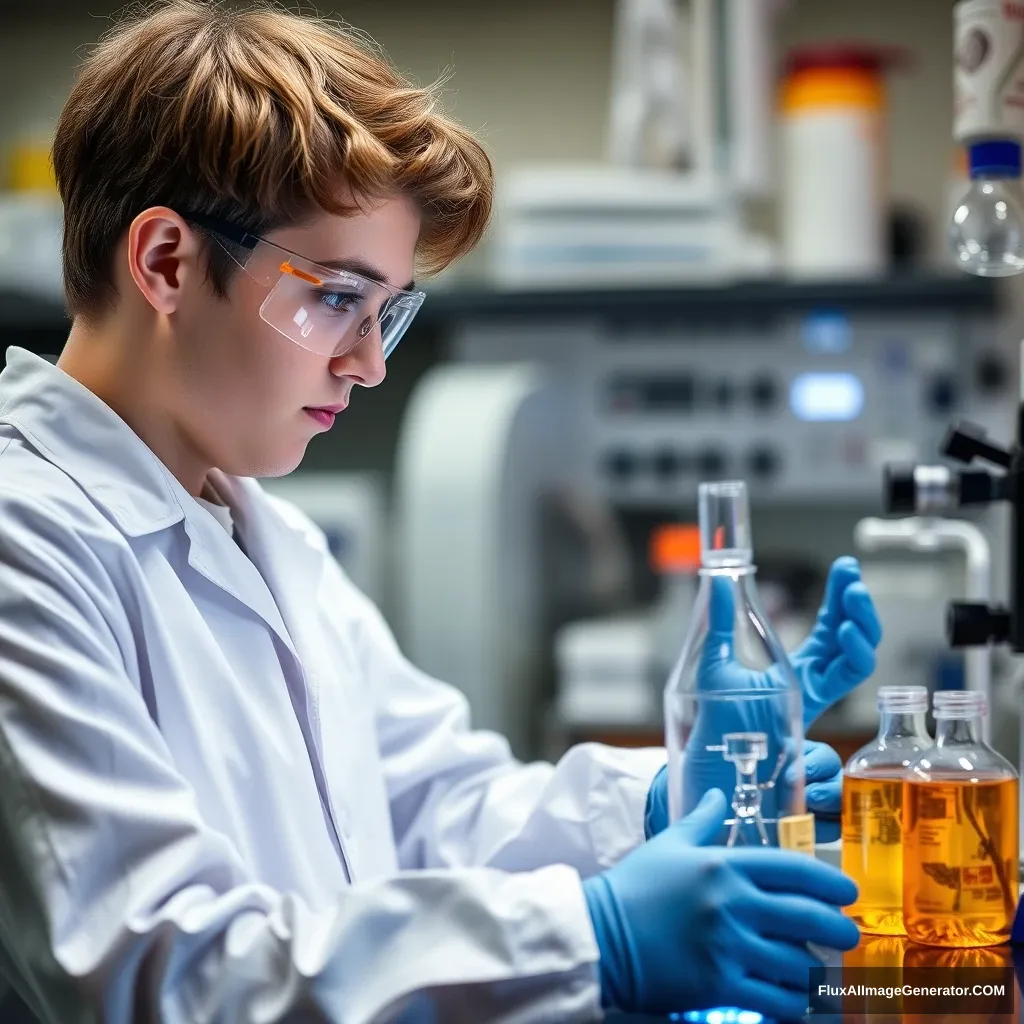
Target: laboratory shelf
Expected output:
[911,292]
[34,322]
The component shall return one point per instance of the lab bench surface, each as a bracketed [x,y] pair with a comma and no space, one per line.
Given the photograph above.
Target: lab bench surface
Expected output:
[892,952]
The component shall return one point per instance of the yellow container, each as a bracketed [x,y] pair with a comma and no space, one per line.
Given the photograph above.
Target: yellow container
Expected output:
[30,169]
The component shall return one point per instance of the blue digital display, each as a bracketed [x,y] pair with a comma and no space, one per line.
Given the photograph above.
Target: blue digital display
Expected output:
[826,397]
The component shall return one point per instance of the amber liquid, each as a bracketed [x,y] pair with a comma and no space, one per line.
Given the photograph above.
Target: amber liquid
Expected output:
[873,849]
[960,869]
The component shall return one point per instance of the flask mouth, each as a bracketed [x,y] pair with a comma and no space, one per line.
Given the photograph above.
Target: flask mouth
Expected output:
[903,700]
[958,704]
[724,515]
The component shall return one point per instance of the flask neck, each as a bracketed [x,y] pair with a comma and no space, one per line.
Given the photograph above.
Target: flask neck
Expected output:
[896,725]
[958,732]
[737,572]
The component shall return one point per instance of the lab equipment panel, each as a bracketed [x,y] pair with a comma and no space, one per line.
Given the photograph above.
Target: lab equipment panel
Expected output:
[811,410]
[805,406]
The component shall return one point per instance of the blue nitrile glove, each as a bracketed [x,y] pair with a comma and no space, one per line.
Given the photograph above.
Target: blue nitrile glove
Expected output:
[823,774]
[839,654]
[719,670]
[656,812]
[683,927]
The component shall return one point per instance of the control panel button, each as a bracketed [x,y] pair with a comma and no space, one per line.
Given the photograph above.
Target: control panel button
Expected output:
[763,463]
[942,394]
[667,463]
[711,462]
[763,393]
[991,373]
[621,464]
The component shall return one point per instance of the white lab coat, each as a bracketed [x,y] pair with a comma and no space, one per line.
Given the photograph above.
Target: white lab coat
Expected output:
[224,793]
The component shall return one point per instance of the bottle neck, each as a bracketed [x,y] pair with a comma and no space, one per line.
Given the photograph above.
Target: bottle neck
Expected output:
[902,724]
[952,732]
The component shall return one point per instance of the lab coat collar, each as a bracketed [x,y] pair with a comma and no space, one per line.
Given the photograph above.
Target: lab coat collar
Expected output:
[86,439]
[80,434]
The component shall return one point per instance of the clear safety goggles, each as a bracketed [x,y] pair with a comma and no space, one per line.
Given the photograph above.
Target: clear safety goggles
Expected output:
[323,310]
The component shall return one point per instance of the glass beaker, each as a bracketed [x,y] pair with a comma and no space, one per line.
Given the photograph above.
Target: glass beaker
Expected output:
[733,710]
[960,838]
[872,849]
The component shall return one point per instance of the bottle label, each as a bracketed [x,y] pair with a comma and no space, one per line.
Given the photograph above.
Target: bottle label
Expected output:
[988,69]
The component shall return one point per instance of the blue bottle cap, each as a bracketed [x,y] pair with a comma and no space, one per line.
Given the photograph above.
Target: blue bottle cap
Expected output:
[994,158]
[1017,932]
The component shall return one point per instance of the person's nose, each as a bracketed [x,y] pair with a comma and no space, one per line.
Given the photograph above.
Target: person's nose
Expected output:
[365,362]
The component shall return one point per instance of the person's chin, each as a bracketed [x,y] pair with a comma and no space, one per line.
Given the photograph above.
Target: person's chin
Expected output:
[278,464]
[289,464]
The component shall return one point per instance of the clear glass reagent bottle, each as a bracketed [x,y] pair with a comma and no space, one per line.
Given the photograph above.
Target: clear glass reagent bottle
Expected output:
[960,838]
[986,234]
[872,829]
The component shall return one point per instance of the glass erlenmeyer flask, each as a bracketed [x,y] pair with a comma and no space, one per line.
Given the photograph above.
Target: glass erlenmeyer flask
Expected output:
[733,711]
[873,809]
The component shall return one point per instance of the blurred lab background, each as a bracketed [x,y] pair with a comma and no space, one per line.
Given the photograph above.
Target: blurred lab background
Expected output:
[718,251]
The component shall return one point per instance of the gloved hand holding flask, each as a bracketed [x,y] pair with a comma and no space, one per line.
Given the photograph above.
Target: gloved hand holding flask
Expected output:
[838,655]
[736,706]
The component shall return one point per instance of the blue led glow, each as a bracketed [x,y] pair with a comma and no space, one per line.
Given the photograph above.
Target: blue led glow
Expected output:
[826,332]
[826,397]
[721,1015]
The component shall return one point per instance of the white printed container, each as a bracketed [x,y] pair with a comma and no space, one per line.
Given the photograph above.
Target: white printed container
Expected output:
[833,182]
[988,70]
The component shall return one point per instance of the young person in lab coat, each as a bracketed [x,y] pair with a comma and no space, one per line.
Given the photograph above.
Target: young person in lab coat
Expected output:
[225,794]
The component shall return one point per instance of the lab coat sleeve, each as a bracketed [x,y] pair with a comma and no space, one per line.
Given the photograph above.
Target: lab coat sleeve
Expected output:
[118,903]
[458,796]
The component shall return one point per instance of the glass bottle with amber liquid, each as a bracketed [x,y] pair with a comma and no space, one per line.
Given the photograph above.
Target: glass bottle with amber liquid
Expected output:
[960,838]
[872,828]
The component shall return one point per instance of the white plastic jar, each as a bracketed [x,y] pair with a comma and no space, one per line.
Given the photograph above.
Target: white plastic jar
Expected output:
[832,109]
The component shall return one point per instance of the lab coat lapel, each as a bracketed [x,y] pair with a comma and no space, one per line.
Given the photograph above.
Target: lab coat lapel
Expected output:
[226,567]
[292,567]
[341,721]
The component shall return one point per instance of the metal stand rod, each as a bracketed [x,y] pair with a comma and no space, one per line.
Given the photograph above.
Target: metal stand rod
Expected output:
[925,534]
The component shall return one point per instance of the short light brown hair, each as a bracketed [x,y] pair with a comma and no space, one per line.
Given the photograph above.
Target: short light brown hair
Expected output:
[252,115]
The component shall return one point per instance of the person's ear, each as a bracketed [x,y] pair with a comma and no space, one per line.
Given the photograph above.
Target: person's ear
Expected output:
[163,256]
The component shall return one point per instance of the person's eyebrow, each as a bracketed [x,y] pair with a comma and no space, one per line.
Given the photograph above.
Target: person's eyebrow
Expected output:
[354,265]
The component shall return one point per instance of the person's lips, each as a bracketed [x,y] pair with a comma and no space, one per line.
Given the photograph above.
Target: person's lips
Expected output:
[324,414]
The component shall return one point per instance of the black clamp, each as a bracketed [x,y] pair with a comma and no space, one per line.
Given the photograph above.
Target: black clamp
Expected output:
[930,490]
